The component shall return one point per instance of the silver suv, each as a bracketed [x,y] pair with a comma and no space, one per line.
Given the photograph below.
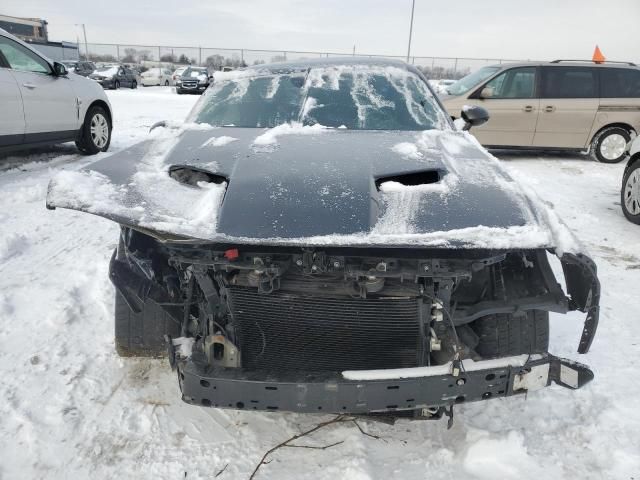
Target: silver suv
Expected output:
[42,104]
[564,104]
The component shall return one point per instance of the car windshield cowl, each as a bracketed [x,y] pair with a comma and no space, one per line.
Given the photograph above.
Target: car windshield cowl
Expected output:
[358,97]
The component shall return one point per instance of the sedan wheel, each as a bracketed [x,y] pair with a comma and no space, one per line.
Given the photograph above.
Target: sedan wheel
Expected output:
[99,130]
[95,135]
[631,193]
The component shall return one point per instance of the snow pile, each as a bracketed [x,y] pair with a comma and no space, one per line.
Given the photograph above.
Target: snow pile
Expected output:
[218,141]
[504,457]
[185,346]
[143,201]
[408,150]
[269,137]
[12,245]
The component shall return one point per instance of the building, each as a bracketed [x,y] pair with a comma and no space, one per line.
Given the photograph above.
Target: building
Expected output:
[34,32]
[27,29]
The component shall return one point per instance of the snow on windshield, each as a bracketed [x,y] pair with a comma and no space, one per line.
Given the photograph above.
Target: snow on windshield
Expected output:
[365,97]
[107,71]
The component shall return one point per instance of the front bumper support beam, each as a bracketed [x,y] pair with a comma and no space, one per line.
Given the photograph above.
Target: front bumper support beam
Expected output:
[235,388]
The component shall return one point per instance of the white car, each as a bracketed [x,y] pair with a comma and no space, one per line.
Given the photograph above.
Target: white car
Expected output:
[41,104]
[443,85]
[630,192]
[178,73]
[157,76]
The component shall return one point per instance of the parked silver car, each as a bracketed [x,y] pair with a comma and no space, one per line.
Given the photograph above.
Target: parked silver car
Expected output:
[42,104]
[630,193]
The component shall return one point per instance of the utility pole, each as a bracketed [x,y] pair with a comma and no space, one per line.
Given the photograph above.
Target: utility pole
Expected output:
[413,6]
[86,47]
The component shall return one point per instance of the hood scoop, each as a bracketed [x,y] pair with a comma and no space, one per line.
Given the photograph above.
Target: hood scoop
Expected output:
[189,175]
[424,177]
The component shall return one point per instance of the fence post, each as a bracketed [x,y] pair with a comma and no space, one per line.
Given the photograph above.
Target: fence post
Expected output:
[242,55]
[159,53]
[199,55]
[284,54]
[118,53]
[455,67]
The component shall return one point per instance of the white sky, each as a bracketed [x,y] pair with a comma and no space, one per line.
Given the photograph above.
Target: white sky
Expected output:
[513,29]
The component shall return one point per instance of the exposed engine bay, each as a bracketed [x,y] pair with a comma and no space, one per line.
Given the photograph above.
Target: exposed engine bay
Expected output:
[289,322]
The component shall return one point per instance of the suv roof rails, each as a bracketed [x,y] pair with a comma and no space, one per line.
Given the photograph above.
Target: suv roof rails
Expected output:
[591,61]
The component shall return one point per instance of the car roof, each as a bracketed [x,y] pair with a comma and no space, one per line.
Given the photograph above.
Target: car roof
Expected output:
[330,62]
[566,63]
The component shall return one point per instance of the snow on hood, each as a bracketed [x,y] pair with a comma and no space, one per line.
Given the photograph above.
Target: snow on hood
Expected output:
[269,137]
[316,186]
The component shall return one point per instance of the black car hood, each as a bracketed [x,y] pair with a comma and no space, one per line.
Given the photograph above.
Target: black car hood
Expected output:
[293,185]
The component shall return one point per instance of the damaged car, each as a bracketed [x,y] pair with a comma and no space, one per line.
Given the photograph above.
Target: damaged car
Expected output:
[320,237]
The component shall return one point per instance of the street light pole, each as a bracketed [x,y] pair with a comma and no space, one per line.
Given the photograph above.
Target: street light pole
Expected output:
[86,47]
[413,6]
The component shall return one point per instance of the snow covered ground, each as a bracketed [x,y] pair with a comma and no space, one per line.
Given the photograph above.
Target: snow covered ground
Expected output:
[70,408]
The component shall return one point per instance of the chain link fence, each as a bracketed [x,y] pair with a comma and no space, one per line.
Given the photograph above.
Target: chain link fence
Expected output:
[216,58]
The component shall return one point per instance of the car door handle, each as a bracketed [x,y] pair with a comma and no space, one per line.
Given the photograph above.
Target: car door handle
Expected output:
[528,108]
[549,108]
[29,85]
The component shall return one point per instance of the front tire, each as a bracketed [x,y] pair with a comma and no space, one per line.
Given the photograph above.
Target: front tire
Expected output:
[116,85]
[609,145]
[134,85]
[95,134]
[630,193]
[506,334]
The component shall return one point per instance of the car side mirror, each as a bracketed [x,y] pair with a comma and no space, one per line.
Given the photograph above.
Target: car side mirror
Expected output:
[59,69]
[487,92]
[473,116]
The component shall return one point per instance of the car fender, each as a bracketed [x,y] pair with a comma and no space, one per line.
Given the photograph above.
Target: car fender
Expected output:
[88,91]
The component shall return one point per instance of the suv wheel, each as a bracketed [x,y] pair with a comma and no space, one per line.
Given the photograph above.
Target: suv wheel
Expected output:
[116,85]
[95,134]
[134,84]
[630,194]
[609,146]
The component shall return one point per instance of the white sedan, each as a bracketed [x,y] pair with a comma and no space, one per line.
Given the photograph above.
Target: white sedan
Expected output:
[157,76]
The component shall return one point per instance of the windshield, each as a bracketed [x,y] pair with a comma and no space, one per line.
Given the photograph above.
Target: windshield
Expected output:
[194,72]
[467,83]
[356,97]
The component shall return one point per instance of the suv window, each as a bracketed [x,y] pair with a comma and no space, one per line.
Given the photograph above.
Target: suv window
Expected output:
[21,58]
[619,83]
[569,82]
[514,83]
